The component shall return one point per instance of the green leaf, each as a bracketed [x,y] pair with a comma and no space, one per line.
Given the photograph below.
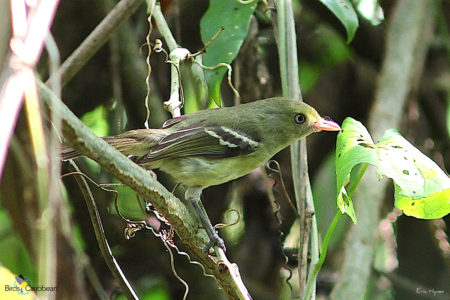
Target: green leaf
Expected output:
[421,187]
[415,174]
[345,204]
[96,121]
[234,17]
[354,146]
[14,255]
[344,11]
[127,204]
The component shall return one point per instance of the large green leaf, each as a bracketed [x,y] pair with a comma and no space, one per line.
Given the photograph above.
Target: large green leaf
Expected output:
[234,17]
[422,189]
[354,146]
[344,11]
[416,175]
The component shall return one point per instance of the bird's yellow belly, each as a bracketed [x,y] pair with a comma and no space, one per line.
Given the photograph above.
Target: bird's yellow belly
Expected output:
[192,171]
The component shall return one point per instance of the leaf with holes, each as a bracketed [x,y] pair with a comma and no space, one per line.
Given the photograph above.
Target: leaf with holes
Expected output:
[234,17]
[434,206]
[421,188]
[354,146]
[344,11]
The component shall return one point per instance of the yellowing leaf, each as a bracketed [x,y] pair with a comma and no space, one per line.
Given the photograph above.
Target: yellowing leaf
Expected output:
[434,206]
[421,187]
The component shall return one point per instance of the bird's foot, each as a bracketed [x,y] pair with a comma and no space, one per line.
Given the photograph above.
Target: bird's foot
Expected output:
[214,240]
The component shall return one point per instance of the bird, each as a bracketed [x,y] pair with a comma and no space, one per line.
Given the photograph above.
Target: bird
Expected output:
[214,146]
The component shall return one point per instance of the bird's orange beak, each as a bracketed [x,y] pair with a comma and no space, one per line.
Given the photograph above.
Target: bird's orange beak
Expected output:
[327,125]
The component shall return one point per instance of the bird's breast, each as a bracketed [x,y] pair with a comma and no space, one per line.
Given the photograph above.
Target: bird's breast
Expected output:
[195,171]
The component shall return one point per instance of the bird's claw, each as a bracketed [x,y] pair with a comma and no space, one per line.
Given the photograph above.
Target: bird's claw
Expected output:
[214,240]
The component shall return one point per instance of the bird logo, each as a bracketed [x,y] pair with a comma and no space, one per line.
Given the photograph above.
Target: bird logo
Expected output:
[22,282]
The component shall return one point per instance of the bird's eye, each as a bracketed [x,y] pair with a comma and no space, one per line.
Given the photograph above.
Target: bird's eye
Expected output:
[300,118]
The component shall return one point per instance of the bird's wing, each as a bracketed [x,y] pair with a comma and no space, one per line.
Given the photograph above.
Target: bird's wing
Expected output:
[213,142]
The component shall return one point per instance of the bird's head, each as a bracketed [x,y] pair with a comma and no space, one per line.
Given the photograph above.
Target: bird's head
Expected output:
[297,119]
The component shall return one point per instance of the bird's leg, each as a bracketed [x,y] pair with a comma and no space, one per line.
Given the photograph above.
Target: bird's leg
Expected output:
[193,196]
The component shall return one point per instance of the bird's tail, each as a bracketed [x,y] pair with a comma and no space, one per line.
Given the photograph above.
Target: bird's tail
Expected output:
[134,142]
[68,153]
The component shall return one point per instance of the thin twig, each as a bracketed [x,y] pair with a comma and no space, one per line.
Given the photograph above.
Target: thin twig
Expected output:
[203,50]
[280,181]
[149,67]
[103,244]
[227,223]
[172,267]
[271,189]
[228,66]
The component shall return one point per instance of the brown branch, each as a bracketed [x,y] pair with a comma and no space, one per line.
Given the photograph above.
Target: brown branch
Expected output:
[96,39]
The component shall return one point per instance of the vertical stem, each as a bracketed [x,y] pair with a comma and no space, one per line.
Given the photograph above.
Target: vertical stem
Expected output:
[177,55]
[323,253]
[162,25]
[287,48]
[47,235]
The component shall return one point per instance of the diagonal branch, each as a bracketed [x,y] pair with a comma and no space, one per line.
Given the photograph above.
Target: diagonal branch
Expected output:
[185,224]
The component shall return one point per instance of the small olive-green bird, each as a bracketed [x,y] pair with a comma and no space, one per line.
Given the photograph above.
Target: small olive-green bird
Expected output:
[213,146]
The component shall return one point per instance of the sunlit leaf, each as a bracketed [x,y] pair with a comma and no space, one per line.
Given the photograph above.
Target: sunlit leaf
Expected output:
[434,206]
[96,121]
[415,174]
[371,11]
[421,187]
[354,146]
[234,17]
